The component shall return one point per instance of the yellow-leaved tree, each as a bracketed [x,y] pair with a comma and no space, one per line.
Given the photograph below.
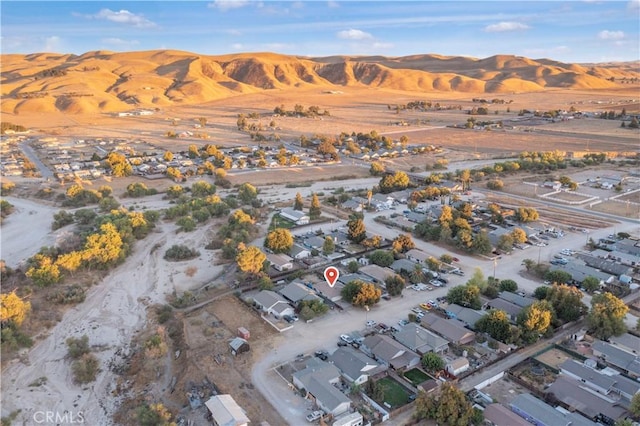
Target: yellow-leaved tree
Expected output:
[13,309]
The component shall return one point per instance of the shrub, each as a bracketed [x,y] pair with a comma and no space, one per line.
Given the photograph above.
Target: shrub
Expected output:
[495,184]
[179,252]
[85,369]
[78,347]
[70,295]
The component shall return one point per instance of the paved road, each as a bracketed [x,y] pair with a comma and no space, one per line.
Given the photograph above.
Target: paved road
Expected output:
[26,149]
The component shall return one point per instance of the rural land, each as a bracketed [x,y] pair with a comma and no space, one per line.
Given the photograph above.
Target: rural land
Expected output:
[167,219]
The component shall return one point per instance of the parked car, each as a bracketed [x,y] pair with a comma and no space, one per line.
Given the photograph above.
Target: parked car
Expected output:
[341,343]
[425,306]
[288,318]
[371,323]
[323,355]
[403,322]
[346,339]
[457,272]
[312,417]
[442,280]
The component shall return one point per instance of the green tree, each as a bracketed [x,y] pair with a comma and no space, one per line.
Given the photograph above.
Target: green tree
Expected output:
[505,243]
[541,292]
[590,284]
[394,284]
[478,279]
[432,362]
[465,295]
[251,260]
[558,277]
[567,302]
[606,317]
[279,240]
[202,189]
[482,243]
[634,407]
[298,204]
[452,407]
[247,193]
[314,209]
[329,245]
[85,369]
[508,285]
[351,290]
[526,214]
[496,323]
[353,267]
[357,231]
[43,271]
[154,415]
[382,258]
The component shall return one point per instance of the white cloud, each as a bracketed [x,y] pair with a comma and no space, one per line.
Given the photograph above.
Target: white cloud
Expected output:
[52,44]
[382,45]
[297,5]
[633,4]
[333,4]
[506,26]
[234,32]
[118,42]
[224,5]
[123,17]
[354,35]
[237,46]
[610,35]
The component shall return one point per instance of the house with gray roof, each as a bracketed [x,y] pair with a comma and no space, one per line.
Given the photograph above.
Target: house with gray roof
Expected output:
[271,302]
[573,394]
[280,261]
[540,413]
[452,330]
[356,367]
[376,273]
[318,379]
[347,278]
[626,341]
[522,301]
[296,292]
[499,415]
[405,265]
[626,361]
[314,242]
[510,308]
[421,340]
[353,205]
[605,265]
[225,411]
[296,216]
[580,271]
[389,352]
[299,252]
[417,256]
[466,315]
[597,381]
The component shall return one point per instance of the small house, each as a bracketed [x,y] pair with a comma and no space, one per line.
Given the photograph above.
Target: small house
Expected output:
[457,366]
[225,411]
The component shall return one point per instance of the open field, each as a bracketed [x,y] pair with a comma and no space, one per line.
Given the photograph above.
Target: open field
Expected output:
[553,357]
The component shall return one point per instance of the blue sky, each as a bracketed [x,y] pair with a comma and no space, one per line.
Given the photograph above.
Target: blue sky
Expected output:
[570,31]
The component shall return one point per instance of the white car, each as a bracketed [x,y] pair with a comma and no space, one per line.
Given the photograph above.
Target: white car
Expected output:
[312,417]
[346,339]
[371,323]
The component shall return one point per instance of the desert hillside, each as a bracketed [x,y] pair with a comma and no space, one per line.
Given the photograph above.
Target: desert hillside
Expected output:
[104,81]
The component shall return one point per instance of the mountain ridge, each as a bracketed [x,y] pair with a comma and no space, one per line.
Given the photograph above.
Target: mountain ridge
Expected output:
[105,81]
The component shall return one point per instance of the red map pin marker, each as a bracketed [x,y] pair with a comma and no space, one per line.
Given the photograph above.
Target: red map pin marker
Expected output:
[331,274]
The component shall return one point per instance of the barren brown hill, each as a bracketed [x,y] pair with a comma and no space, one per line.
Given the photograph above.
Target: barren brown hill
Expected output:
[104,81]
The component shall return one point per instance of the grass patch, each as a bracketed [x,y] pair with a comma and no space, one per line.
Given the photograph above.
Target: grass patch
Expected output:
[298,185]
[278,221]
[394,393]
[416,376]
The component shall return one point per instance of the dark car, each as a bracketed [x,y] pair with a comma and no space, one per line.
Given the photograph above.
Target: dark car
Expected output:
[342,343]
[288,318]
[323,355]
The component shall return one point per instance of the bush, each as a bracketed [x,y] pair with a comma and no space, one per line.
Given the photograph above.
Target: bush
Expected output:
[85,369]
[70,295]
[78,347]
[179,252]
[165,312]
[495,184]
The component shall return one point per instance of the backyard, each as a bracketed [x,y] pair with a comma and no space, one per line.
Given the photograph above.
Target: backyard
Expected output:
[416,376]
[394,394]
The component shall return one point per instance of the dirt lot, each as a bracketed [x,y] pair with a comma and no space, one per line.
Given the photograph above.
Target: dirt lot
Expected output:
[567,196]
[620,209]
[207,333]
[553,357]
